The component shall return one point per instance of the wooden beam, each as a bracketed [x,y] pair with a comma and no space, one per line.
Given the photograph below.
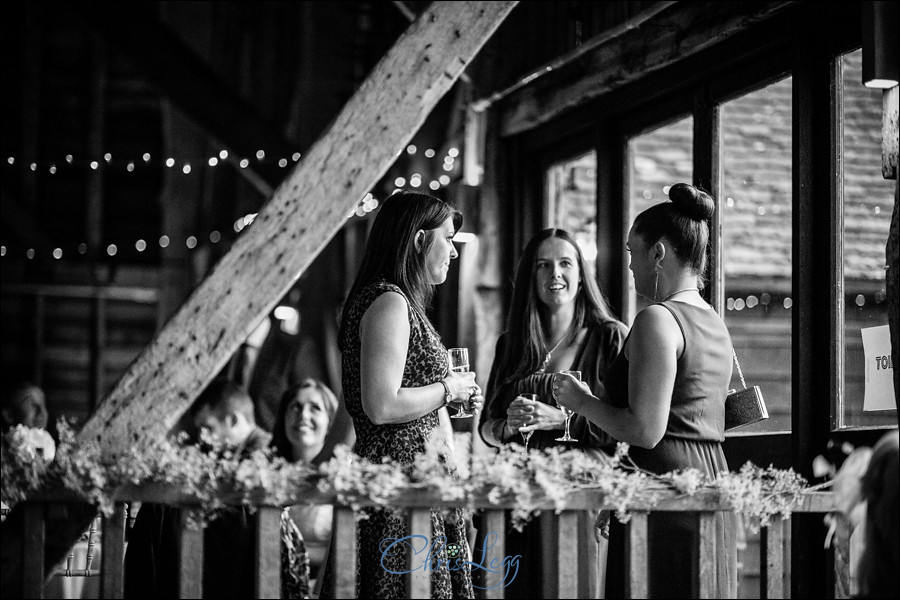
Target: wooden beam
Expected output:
[889,128]
[307,209]
[669,37]
[305,212]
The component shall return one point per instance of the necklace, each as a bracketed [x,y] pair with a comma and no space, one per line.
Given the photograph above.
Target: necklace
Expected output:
[690,289]
[552,350]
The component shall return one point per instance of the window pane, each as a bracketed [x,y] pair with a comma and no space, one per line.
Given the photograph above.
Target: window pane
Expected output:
[656,160]
[572,201]
[867,203]
[756,240]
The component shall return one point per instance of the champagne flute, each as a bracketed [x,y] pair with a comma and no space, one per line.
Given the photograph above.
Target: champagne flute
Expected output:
[568,412]
[459,363]
[526,435]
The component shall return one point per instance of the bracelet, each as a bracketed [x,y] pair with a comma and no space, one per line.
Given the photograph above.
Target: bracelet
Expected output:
[447,395]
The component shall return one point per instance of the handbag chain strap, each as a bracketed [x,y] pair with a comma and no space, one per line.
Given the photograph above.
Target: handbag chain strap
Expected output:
[738,365]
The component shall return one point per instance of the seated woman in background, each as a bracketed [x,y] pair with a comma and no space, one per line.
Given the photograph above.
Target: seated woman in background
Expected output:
[304,418]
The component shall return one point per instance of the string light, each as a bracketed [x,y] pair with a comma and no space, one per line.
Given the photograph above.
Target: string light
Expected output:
[367,204]
[107,160]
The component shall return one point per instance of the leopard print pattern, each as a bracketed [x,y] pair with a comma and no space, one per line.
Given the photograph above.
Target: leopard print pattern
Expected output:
[426,363]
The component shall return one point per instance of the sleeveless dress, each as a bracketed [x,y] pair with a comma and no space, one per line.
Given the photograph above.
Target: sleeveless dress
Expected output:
[693,439]
[426,363]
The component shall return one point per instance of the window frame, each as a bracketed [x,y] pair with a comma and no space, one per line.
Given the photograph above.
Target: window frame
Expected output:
[805,43]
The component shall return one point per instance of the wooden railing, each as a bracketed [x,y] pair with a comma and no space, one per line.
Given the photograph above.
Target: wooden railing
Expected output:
[570,525]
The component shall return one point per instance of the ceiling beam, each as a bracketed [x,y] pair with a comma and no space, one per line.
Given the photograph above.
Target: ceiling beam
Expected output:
[681,30]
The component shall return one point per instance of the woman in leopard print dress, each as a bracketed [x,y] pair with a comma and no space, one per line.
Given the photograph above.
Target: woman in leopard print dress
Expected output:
[397,384]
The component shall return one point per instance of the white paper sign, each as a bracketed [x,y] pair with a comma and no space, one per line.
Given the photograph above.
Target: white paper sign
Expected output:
[879,369]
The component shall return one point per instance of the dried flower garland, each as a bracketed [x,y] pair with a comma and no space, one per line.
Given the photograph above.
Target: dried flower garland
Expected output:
[528,481]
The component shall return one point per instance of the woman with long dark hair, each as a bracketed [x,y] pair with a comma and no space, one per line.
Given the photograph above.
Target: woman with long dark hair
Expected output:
[396,381]
[558,320]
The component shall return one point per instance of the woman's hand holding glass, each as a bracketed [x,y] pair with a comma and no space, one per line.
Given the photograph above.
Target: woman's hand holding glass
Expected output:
[525,414]
[467,395]
[567,386]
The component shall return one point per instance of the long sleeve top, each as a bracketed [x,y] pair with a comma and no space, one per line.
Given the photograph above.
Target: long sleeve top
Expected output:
[600,347]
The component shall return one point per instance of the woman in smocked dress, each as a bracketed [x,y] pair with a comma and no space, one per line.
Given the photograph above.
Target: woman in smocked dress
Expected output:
[396,379]
[665,393]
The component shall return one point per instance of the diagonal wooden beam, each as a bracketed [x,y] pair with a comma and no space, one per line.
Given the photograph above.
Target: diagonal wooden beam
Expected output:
[305,212]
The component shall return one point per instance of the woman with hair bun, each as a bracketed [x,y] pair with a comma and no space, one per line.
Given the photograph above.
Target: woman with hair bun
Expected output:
[665,393]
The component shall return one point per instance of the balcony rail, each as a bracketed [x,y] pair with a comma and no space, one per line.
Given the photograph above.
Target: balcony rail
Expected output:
[570,522]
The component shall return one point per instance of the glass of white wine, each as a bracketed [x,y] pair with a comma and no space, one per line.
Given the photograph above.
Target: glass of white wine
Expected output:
[526,435]
[568,412]
[459,363]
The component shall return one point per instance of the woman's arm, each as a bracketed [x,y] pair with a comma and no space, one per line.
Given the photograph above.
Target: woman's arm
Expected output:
[605,344]
[384,342]
[652,351]
[492,423]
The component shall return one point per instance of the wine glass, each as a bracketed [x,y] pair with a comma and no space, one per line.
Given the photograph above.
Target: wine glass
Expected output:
[526,435]
[459,363]
[568,412]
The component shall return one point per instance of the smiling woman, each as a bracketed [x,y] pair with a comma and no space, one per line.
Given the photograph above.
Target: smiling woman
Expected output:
[305,416]
[558,320]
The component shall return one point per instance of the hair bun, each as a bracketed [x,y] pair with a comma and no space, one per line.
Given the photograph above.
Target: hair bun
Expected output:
[692,202]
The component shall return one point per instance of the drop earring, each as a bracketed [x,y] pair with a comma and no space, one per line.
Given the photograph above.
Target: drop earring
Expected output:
[656,284]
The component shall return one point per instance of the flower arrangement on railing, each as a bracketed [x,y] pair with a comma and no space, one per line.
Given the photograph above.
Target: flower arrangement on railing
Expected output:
[216,476]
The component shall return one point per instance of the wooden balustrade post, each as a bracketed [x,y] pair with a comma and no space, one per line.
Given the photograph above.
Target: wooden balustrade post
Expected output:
[591,571]
[567,554]
[772,582]
[343,553]
[33,550]
[190,559]
[419,582]
[112,559]
[636,556]
[706,567]
[268,552]
[494,521]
